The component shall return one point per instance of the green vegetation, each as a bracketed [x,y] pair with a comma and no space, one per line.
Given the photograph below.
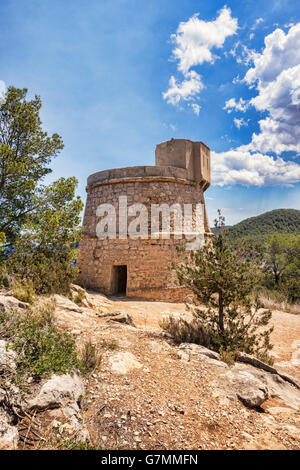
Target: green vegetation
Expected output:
[281,265]
[72,444]
[223,280]
[110,345]
[284,221]
[24,292]
[273,239]
[44,252]
[90,359]
[39,225]
[25,153]
[41,349]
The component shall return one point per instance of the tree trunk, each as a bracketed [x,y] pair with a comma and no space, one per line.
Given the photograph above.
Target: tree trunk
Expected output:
[221,313]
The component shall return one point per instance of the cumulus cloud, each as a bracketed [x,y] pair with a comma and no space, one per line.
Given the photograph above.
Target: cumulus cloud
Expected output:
[240,122]
[232,104]
[196,108]
[184,90]
[275,75]
[194,41]
[280,131]
[281,52]
[241,167]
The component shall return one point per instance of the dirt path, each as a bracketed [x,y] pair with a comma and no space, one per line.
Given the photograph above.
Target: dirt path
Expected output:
[145,395]
[285,337]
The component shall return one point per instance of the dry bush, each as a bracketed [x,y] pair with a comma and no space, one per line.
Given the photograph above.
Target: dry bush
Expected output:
[275,301]
[183,331]
[90,358]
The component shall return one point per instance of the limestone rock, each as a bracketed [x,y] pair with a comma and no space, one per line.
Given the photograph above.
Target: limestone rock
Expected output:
[123,318]
[183,355]
[9,436]
[67,304]
[123,362]
[58,391]
[7,356]
[249,389]
[247,359]
[7,302]
[98,301]
[196,349]
[278,387]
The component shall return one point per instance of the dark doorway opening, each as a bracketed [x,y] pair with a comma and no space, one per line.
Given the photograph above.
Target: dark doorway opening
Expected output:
[120,278]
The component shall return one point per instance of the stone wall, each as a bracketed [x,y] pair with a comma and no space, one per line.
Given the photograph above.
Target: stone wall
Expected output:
[148,260]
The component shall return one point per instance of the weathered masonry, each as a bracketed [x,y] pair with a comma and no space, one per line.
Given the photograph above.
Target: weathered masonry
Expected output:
[136,266]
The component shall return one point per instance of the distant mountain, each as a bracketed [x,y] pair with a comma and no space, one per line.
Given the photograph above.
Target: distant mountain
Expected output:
[279,220]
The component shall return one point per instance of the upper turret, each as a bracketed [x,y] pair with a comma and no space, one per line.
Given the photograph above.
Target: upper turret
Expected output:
[183,153]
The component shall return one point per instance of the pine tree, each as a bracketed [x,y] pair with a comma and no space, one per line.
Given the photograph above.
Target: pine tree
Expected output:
[227,312]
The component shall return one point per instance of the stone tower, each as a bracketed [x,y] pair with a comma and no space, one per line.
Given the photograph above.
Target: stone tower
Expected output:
[138,265]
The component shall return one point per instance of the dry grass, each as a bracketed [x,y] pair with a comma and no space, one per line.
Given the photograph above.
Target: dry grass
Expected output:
[274,304]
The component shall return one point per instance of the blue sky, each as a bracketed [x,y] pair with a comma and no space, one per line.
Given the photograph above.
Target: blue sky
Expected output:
[104,72]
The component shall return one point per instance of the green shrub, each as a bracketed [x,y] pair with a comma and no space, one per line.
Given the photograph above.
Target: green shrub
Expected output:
[110,345]
[24,291]
[78,297]
[41,349]
[226,313]
[50,272]
[227,355]
[90,359]
[71,444]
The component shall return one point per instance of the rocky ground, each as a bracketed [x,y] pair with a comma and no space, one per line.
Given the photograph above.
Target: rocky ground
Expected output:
[148,393]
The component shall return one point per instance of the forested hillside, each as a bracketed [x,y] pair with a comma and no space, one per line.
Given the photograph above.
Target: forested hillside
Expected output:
[285,221]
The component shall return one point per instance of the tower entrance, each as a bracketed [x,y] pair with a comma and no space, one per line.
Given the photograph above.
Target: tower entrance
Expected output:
[120,279]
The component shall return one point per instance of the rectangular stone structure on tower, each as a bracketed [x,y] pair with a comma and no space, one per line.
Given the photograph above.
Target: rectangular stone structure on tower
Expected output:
[183,153]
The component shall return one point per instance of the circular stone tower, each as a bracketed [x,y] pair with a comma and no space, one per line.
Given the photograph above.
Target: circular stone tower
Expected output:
[136,217]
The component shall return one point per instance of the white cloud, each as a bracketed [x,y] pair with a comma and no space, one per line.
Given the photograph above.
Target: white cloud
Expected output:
[196,38]
[184,90]
[194,41]
[232,104]
[257,22]
[241,167]
[276,75]
[196,108]
[240,122]
[281,52]
[280,131]
[2,91]
[242,53]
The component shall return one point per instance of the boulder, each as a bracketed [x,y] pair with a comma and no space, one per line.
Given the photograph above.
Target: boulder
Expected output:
[278,387]
[247,359]
[7,302]
[123,362]
[251,391]
[66,304]
[9,436]
[59,391]
[7,357]
[196,349]
[122,317]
